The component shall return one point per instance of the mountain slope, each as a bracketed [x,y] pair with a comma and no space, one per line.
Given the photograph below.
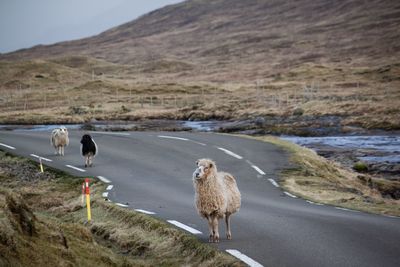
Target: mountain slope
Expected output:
[253,37]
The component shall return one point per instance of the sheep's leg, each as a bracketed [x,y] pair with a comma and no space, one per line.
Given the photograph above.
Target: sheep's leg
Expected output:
[215,228]
[62,150]
[210,228]
[86,160]
[90,160]
[228,226]
[59,150]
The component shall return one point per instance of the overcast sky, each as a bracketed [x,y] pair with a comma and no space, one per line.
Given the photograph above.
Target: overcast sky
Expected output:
[25,23]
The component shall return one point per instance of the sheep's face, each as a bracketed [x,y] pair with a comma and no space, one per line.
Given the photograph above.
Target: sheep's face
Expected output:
[63,130]
[204,167]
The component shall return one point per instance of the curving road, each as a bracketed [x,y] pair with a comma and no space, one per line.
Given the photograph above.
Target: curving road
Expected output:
[151,173]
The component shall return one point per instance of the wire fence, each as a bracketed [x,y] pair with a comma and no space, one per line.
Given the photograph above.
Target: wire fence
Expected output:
[30,99]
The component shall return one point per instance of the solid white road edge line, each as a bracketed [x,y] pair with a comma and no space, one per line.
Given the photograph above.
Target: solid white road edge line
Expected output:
[290,195]
[109,187]
[244,258]
[105,195]
[173,137]
[104,179]
[273,182]
[75,168]
[145,211]
[121,205]
[258,169]
[185,227]
[39,157]
[230,153]
[7,146]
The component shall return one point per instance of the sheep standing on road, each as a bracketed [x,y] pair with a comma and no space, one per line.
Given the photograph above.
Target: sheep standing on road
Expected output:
[216,196]
[88,149]
[59,140]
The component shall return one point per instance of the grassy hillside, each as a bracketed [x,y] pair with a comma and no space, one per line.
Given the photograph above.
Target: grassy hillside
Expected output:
[43,223]
[224,59]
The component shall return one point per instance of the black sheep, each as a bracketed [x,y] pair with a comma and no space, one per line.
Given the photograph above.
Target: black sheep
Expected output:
[88,149]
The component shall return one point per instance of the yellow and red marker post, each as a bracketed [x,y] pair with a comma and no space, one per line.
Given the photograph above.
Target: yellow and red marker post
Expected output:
[87,193]
[41,165]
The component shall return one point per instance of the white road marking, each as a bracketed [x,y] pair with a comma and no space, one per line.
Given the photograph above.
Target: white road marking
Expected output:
[244,258]
[122,205]
[7,146]
[202,144]
[75,168]
[111,133]
[258,169]
[391,216]
[185,227]
[314,203]
[288,194]
[230,153]
[105,194]
[39,157]
[340,208]
[273,182]
[173,137]
[109,187]
[145,211]
[104,179]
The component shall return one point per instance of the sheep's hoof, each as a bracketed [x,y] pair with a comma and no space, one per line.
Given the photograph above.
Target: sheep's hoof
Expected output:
[229,236]
[211,239]
[216,239]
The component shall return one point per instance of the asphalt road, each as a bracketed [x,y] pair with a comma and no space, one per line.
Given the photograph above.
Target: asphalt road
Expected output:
[151,172]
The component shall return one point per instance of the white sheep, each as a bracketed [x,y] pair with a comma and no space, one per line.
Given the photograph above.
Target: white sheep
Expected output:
[216,196]
[59,140]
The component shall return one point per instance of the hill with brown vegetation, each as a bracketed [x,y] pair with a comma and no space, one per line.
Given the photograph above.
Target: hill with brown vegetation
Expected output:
[224,59]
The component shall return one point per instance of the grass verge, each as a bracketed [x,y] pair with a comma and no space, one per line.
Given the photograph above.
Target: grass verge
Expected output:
[43,223]
[315,178]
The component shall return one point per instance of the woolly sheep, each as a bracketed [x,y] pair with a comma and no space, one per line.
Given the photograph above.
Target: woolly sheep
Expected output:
[216,196]
[88,149]
[59,140]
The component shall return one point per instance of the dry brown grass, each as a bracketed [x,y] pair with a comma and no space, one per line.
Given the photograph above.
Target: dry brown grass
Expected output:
[365,97]
[320,180]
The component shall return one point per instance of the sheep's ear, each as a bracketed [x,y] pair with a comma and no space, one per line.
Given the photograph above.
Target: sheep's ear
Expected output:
[211,165]
[197,163]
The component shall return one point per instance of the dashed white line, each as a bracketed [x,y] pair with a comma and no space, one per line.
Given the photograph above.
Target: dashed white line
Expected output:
[145,211]
[273,182]
[7,146]
[185,227]
[39,157]
[104,179]
[314,203]
[75,168]
[230,153]
[258,169]
[109,187]
[202,144]
[122,205]
[288,194]
[173,137]
[244,258]
[105,194]
[340,208]
[111,133]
